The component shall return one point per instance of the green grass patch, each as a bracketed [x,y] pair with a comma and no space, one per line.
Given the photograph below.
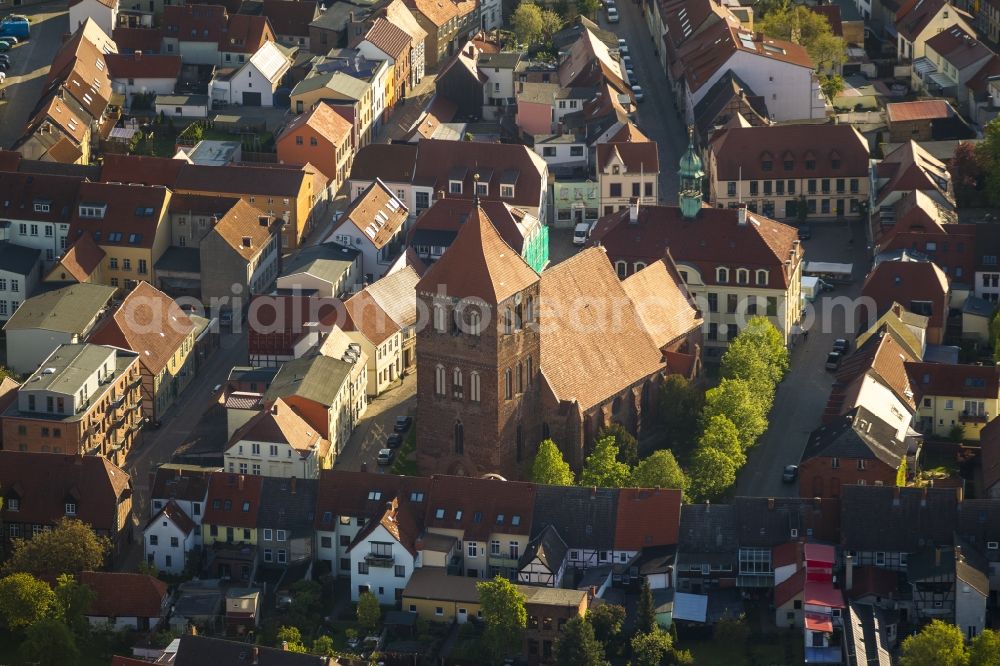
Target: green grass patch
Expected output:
[10,652]
[406,464]
[714,652]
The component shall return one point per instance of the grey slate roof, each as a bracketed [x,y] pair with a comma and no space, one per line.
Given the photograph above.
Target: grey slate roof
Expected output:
[978,523]
[317,378]
[865,638]
[327,261]
[17,258]
[584,517]
[708,528]
[768,522]
[68,309]
[859,435]
[205,651]
[180,259]
[287,510]
[548,547]
[872,518]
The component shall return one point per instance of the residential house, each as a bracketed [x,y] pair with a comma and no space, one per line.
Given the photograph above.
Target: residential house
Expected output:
[285,522]
[921,286]
[544,560]
[130,39]
[321,137]
[976,316]
[437,227]
[951,59]
[255,82]
[194,650]
[40,489]
[393,164]
[184,485]
[83,400]
[436,596]
[328,270]
[949,583]
[143,74]
[152,324]
[775,169]
[924,120]
[460,82]
[210,35]
[52,318]
[169,538]
[290,21]
[398,14]
[102,12]
[242,249]
[331,27]
[446,23]
[380,338]
[20,273]
[954,397]
[387,41]
[648,518]
[549,609]
[374,224]
[707,548]
[286,327]
[583,517]
[383,553]
[339,345]
[125,600]
[38,213]
[395,294]
[917,21]
[930,228]
[277,442]
[348,84]
[627,171]
[318,389]
[242,609]
[575,202]
[987,280]
[229,528]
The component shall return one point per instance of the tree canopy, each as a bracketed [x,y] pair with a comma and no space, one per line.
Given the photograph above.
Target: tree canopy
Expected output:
[369,610]
[290,639]
[659,470]
[740,402]
[801,25]
[651,648]
[25,600]
[607,620]
[588,7]
[988,155]
[527,22]
[74,599]
[938,644]
[577,645]
[70,547]
[985,649]
[602,467]
[504,615]
[645,614]
[680,404]
[712,473]
[758,355]
[550,467]
[628,447]
[49,642]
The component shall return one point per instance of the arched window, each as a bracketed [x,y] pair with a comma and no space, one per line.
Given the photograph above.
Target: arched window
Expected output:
[475,322]
[762,277]
[508,384]
[742,276]
[459,438]
[440,325]
[616,405]
[622,269]
[456,383]
[546,432]
[639,265]
[530,313]
[528,379]
[722,275]
[439,380]
[508,321]
[518,316]
[474,386]
[520,377]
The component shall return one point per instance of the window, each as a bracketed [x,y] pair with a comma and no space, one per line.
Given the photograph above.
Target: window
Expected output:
[742,276]
[154,540]
[282,556]
[70,508]
[713,302]
[474,386]
[861,465]
[268,535]
[508,387]
[472,549]
[826,185]
[439,380]
[854,185]
[174,542]
[459,437]
[722,275]
[762,278]
[363,568]
[399,571]
[731,189]
[576,151]
[835,463]
[880,559]
[753,188]
[732,301]
[772,306]
[456,384]
[495,547]
[298,139]
[615,190]
[549,151]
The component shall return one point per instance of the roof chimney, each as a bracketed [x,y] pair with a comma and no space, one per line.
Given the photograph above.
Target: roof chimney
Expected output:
[741,215]
[960,494]
[633,211]
[138,55]
[770,503]
[593,492]
[284,646]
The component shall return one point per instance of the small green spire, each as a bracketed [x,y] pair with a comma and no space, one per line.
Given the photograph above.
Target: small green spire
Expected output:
[691,176]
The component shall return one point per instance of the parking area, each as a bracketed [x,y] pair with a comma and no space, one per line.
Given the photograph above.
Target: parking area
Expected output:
[30,62]
[376,426]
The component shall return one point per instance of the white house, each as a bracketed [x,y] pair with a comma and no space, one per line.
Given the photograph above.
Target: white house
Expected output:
[184,485]
[254,83]
[375,226]
[182,106]
[544,560]
[380,338]
[277,442]
[103,12]
[140,74]
[168,537]
[125,600]
[20,272]
[36,209]
[383,554]
[919,21]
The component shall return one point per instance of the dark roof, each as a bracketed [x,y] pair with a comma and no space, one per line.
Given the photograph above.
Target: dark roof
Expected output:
[548,547]
[19,192]
[233,500]
[392,162]
[708,528]
[875,518]
[768,522]
[17,258]
[180,260]
[584,517]
[480,507]
[185,484]
[858,435]
[962,380]
[729,87]
[173,512]
[124,594]
[906,281]
[978,520]
[288,17]
[362,494]
[647,517]
[289,504]
[205,651]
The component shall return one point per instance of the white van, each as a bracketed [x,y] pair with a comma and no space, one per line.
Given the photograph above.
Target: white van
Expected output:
[581,232]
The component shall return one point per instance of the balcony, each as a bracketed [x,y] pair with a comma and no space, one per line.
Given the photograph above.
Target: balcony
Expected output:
[971,417]
[502,562]
[380,560]
[454,567]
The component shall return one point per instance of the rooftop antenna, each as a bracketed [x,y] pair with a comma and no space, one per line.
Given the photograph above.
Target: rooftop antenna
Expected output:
[475,188]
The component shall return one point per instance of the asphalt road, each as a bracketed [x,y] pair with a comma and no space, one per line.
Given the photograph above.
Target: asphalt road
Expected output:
[376,425]
[657,116]
[802,395]
[30,62]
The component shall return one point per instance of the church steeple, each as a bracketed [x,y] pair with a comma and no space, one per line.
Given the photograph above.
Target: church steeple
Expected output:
[691,175]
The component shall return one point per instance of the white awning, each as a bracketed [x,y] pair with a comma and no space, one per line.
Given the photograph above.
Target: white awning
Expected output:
[923,66]
[940,80]
[690,607]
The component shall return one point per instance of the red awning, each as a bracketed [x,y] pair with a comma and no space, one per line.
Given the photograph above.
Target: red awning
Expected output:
[817,622]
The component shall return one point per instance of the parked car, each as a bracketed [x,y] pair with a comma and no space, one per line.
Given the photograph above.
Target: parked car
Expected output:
[833,360]
[581,232]
[394,441]
[630,75]
[627,61]
[613,16]
[5,58]
[805,232]
[790,473]
[623,47]
[385,456]
[403,423]
[10,38]
[841,345]
[639,95]
[4,46]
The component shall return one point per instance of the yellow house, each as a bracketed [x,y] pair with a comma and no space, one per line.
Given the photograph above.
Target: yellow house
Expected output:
[627,170]
[340,89]
[231,509]
[435,596]
[954,400]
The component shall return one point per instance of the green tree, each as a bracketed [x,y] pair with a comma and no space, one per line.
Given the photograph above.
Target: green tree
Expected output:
[74,599]
[527,22]
[588,7]
[659,470]
[607,620]
[69,548]
[49,642]
[758,355]
[651,648]
[937,644]
[831,85]
[645,614]
[550,467]
[680,405]
[741,403]
[290,639]
[369,611]
[602,468]
[551,24]
[712,473]
[306,606]
[24,600]
[504,615]
[985,649]
[803,26]
[628,447]
[721,434]
[828,52]
[731,631]
[577,646]
[323,646]
[995,334]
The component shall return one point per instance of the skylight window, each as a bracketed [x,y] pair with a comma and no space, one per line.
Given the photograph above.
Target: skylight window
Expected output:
[374,495]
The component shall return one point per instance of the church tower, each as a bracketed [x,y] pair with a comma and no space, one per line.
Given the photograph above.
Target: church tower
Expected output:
[478,378]
[691,176]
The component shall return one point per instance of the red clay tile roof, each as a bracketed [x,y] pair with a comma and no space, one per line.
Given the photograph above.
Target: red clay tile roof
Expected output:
[388,38]
[438,12]
[19,192]
[290,17]
[322,119]
[181,484]
[43,481]
[449,214]
[640,157]
[910,167]
[147,40]
[366,316]
[140,169]
[173,512]
[362,494]
[714,238]
[945,379]
[884,358]
[479,264]
[647,518]
[377,213]
[132,327]
[281,424]
[81,259]
[915,15]
[873,580]
[930,109]
[479,507]
[194,23]
[233,500]
[242,222]
[399,521]
[790,552]
[137,66]
[124,594]
[245,33]
[790,588]
[132,211]
[741,151]
[959,47]
[906,281]
[662,302]
[65,151]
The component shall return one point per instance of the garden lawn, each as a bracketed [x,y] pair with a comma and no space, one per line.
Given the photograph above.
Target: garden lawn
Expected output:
[727,653]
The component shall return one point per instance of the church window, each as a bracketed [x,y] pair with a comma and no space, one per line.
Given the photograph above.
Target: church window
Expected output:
[474,386]
[508,321]
[440,325]
[439,379]
[459,437]
[508,384]
[456,383]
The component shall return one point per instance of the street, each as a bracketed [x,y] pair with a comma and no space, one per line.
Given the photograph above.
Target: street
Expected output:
[802,395]
[657,116]
[30,62]
[376,424]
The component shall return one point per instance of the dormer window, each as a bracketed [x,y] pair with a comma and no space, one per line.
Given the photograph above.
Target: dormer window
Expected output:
[42,207]
[507,191]
[762,278]
[722,275]
[13,504]
[454,187]
[482,189]
[93,210]
[742,276]
[70,508]
[616,170]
